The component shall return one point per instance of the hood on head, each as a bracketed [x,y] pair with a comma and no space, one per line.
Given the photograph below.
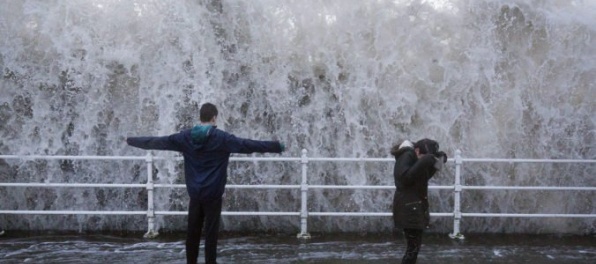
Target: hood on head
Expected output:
[401,148]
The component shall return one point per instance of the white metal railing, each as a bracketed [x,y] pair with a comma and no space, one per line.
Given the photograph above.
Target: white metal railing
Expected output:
[304,187]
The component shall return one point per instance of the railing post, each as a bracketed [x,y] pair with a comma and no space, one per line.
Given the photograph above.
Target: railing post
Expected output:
[151,233]
[304,198]
[457,198]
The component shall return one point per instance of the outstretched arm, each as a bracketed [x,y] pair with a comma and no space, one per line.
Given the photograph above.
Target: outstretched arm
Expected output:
[172,142]
[246,146]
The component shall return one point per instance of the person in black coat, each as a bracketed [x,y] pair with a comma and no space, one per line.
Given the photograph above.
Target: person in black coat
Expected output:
[415,165]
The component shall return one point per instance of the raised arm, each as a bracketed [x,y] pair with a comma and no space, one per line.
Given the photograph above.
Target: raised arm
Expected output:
[172,142]
[408,167]
[242,145]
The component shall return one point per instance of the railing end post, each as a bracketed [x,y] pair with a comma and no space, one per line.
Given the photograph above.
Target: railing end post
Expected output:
[304,198]
[457,236]
[151,234]
[303,236]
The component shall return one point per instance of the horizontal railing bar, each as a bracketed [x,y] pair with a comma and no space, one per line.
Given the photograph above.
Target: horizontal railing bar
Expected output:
[235,213]
[382,214]
[168,185]
[264,159]
[244,159]
[69,157]
[239,213]
[308,159]
[65,157]
[528,160]
[44,212]
[350,159]
[233,186]
[95,157]
[347,214]
[92,157]
[437,187]
[528,215]
[262,213]
[376,187]
[537,188]
[140,185]
[115,185]
[365,214]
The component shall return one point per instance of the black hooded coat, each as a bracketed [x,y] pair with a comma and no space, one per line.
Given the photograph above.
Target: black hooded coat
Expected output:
[411,174]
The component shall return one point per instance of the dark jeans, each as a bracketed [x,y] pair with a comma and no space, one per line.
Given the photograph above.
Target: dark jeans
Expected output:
[414,242]
[199,213]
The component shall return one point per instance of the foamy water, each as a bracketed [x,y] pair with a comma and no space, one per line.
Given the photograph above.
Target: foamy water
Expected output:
[342,78]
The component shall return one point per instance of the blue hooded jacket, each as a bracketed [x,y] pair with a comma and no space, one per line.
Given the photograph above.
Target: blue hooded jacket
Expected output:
[206,152]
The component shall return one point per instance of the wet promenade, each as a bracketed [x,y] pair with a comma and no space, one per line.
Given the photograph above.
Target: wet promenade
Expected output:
[322,248]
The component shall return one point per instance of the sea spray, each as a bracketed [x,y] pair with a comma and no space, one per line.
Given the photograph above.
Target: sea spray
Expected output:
[502,79]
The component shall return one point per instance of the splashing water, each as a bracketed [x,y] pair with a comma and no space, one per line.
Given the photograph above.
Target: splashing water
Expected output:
[342,78]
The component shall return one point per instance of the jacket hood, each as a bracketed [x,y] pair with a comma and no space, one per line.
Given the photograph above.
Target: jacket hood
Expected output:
[199,134]
[401,148]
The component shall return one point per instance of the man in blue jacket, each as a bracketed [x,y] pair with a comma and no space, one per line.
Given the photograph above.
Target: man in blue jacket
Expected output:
[206,152]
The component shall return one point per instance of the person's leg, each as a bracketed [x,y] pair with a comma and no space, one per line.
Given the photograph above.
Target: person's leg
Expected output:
[397,231]
[193,233]
[414,242]
[212,218]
